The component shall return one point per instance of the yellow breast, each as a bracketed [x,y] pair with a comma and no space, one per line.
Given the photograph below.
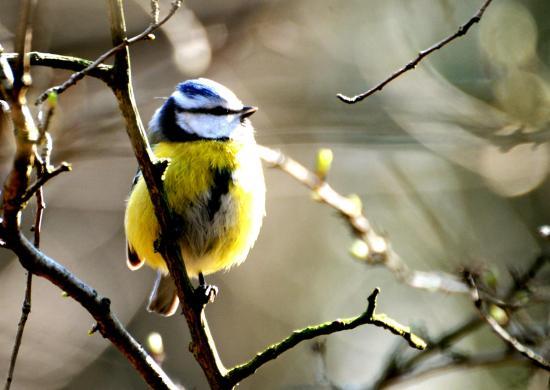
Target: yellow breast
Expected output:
[209,243]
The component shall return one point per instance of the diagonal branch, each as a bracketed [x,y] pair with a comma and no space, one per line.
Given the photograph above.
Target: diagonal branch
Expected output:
[378,249]
[400,368]
[462,30]
[486,359]
[238,373]
[537,359]
[98,306]
[144,35]
[43,179]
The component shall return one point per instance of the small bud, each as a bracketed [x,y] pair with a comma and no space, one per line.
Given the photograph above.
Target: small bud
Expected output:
[52,99]
[64,294]
[315,196]
[498,314]
[155,344]
[378,244]
[151,37]
[357,204]
[324,162]
[359,249]
[490,278]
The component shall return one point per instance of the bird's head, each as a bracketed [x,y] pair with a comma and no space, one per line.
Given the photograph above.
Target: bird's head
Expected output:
[200,109]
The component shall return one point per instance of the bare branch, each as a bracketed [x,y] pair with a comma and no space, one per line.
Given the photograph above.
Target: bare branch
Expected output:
[398,368]
[43,179]
[144,35]
[462,361]
[101,71]
[238,373]
[15,187]
[378,249]
[98,306]
[25,311]
[462,30]
[537,359]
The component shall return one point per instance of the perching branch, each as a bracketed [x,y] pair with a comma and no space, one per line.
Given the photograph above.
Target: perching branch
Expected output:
[537,359]
[202,345]
[369,316]
[377,249]
[144,35]
[462,30]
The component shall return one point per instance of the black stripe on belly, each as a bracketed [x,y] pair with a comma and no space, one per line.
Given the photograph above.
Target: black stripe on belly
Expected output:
[221,179]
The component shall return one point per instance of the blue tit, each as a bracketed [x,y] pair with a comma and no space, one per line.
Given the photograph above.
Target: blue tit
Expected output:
[214,184]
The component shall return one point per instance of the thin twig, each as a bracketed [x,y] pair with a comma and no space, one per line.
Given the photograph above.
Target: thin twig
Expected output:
[57,61]
[398,367]
[462,30]
[369,316]
[488,359]
[25,311]
[47,176]
[379,250]
[537,359]
[144,35]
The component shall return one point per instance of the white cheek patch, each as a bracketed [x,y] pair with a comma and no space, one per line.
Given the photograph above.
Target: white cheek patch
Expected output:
[209,126]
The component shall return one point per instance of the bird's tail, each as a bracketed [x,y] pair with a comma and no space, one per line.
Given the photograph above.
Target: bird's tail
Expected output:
[163,299]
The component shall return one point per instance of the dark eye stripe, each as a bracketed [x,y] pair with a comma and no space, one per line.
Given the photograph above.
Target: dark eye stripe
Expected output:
[218,110]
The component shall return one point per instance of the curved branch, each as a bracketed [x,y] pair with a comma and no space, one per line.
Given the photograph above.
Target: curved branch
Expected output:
[98,306]
[238,373]
[379,250]
[462,30]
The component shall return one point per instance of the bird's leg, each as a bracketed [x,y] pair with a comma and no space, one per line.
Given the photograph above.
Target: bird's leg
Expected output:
[205,293]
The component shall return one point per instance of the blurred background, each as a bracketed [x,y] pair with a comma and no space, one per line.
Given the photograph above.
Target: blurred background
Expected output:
[451,161]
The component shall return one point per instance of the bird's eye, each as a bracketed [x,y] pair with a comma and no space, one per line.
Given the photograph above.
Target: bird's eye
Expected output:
[219,111]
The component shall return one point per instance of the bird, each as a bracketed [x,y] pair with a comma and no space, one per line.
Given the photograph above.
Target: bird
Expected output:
[214,185]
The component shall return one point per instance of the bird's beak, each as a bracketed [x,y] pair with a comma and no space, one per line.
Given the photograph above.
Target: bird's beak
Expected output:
[247,111]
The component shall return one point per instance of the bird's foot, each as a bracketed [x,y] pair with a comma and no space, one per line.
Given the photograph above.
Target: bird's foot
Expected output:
[205,293]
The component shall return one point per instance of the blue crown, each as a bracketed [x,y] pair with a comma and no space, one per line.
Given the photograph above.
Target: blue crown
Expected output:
[193,89]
